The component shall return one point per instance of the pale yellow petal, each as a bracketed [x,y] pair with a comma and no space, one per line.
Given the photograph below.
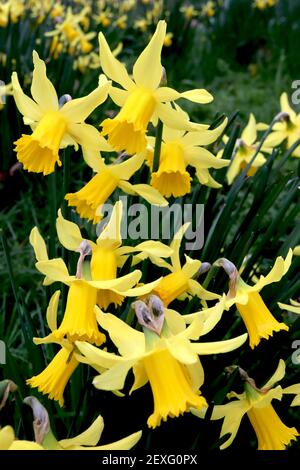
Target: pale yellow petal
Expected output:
[111,234]
[7,437]
[79,109]
[112,67]
[249,133]
[129,341]
[140,376]
[25,105]
[285,105]
[90,437]
[86,135]
[68,233]
[118,95]
[218,347]
[146,191]
[55,269]
[51,314]
[114,378]
[147,70]
[181,350]
[119,285]
[126,169]
[204,137]
[203,158]
[277,376]
[93,158]
[197,95]
[279,269]
[92,355]
[42,90]
[141,290]
[123,444]
[38,244]
[175,321]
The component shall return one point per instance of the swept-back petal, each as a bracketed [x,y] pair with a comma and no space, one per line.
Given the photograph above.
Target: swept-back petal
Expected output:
[79,109]
[51,314]
[147,70]
[218,347]
[249,134]
[112,67]
[42,90]
[86,135]
[90,437]
[68,233]
[38,243]
[30,110]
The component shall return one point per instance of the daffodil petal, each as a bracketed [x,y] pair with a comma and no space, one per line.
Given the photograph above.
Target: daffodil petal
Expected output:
[147,70]
[120,284]
[112,231]
[249,134]
[93,355]
[146,191]
[279,269]
[25,105]
[68,233]
[285,106]
[204,137]
[55,269]
[112,67]
[126,169]
[123,444]
[90,437]
[114,378]
[175,321]
[203,158]
[93,158]
[181,350]
[51,314]
[197,95]
[42,90]
[219,347]
[141,290]
[86,135]
[129,342]
[38,244]
[118,95]
[278,374]
[7,437]
[140,377]
[79,109]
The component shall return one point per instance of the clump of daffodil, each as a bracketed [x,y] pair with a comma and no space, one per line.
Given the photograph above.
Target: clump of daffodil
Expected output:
[54,127]
[96,281]
[169,361]
[288,129]
[271,432]
[142,99]
[90,199]
[244,151]
[108,254]
[258,319]
[264,4]
[46,440]
[179,150]
[180,283]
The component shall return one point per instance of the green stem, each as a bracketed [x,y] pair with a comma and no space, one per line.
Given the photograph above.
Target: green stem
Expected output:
[157,147]
[66,183]
[52,200]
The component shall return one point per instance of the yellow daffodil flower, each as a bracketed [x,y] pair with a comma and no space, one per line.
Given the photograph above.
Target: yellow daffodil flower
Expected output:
[209,9]
[189,12]
[179,284]
[90,199]
[143,99]
[179,150]
[258,319]
[245,148]
[53,127]
[271,432]
[288,129]
[169,362]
